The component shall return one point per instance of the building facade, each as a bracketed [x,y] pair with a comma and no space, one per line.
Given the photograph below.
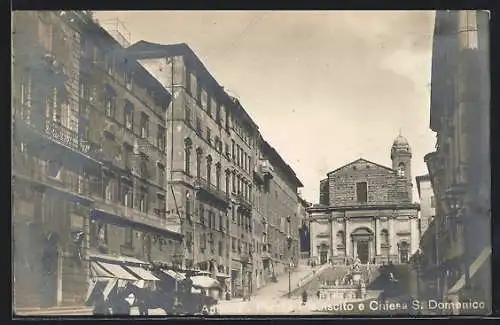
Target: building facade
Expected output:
[427,202]
[456,258]
[217,161]
[366,211]
[87,157]
[304,234]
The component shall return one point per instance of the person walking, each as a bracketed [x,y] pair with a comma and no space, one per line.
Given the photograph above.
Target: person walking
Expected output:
[304,297]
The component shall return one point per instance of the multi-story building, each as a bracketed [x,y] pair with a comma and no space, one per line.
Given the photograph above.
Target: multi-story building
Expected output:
[304,234]
[427,202]
[216,149]
[366,211]
[275,207]
[459,169]
[88,157]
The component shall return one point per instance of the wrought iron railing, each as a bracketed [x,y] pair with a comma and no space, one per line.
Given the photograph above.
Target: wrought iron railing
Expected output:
[202,183]
[243,201]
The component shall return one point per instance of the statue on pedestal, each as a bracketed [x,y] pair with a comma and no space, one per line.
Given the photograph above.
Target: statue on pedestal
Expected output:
[356,264]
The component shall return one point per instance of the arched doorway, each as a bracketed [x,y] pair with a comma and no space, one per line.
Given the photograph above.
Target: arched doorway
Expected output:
[323,253]
[404,252]
[363,244]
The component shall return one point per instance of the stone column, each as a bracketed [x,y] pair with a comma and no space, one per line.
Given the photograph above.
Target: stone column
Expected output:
[354,248]
[347,234]
[377,236]
[392,236]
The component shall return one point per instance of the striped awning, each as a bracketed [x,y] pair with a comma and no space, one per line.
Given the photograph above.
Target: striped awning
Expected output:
[108,270]
[142,273]
[480,260]
[175,275]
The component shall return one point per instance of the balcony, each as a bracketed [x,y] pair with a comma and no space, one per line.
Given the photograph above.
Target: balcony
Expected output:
[27,169]
[130,214]
[56,132]
[206,190]
[243,203]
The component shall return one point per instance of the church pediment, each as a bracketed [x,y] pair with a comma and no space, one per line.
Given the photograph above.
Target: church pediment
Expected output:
[360,165]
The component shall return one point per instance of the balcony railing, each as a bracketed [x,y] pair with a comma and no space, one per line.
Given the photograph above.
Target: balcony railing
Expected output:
[130,214]
[202,184]
[243,202]
[59,133]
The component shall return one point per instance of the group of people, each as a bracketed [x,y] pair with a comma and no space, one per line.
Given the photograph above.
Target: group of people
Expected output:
[176,301]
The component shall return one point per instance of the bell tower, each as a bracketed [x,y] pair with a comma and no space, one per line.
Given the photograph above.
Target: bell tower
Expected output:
[401,160]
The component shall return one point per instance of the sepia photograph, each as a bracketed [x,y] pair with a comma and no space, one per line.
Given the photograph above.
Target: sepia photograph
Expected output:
[169,163]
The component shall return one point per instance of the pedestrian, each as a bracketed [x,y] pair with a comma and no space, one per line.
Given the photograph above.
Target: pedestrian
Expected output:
[318,294]
[304,297]
[100,306]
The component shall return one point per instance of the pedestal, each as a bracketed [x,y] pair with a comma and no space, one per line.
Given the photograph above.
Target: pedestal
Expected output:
[356,277]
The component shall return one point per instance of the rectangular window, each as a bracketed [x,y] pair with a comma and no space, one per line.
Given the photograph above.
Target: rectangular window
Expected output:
[198,126]
[129,115]
[144,125]
[129,237]
[187,115]
[202,215]
[362,192]
[217,115]
[233,152]
[110,103]
[209,136]
[221,248]
[161,137]
[209,219]
[193,89]
[161,175]
[227,150]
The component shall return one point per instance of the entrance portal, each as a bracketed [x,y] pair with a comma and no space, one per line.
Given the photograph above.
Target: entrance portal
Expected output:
[363,251]
[323,256]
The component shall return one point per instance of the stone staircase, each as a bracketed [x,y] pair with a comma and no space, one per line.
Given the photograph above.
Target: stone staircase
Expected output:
[330,273]
[279,288]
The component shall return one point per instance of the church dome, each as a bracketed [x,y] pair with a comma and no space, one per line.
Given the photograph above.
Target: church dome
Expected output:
[401,144]
[400,141]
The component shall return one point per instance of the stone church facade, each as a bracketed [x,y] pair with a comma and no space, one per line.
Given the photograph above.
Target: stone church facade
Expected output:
[366,211]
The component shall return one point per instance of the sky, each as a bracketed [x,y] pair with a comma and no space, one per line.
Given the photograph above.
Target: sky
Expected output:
[325,87]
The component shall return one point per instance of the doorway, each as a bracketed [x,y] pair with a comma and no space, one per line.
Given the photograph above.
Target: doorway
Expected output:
[323,257]
[363,251]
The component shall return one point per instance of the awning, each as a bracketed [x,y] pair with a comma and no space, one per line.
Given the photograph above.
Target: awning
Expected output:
[175,275]
[95,286]
[97,271]
[117,271]
[142,273]
[483,257]
[223,276]
[109,287]
[205,282]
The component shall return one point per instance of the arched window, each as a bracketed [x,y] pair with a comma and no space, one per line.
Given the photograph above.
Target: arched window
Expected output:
[209,170]
[187,156]
[217,175]
[404,252]
[401,169]
[199,153]
[340,240]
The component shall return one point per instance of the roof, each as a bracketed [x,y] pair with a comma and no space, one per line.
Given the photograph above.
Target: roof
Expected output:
[360,160]
[422,178]
[273,155]
[400,141]
[149,50]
